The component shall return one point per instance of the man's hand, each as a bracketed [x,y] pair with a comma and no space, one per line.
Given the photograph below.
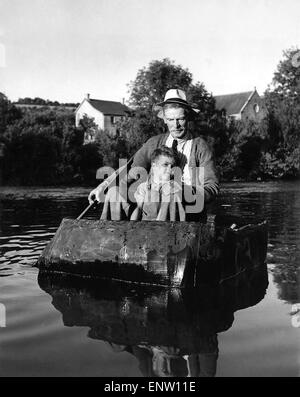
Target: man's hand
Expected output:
[95,194]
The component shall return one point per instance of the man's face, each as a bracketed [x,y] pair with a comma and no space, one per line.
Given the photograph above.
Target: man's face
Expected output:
[162,168]
[176,120]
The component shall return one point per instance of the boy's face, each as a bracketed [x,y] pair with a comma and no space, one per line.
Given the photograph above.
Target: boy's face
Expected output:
[162,168]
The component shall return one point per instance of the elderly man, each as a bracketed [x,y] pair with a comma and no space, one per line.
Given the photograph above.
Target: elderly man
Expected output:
[195,159]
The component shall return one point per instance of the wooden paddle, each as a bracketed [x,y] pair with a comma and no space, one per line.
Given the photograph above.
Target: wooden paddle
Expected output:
[86,210]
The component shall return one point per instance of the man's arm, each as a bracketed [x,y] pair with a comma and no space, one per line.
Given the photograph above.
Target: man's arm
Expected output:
[95,194]
[142,158]
[207,174]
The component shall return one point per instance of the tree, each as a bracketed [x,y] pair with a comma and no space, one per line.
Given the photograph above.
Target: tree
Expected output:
[152,82]
[71,152]
[283,103]
[32,155]
[286,80]
[8,113]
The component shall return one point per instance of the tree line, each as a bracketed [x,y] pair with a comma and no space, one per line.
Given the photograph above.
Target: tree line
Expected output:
[43,102]
[42,146]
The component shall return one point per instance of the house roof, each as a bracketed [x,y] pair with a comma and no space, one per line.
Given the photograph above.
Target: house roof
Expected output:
[232,103]
[109,107]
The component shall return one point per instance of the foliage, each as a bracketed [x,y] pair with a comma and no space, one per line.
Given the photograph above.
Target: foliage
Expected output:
[283,102]
[32,155]
[152,82]
[41,102]
[43,147]
[8,113]
[286,79]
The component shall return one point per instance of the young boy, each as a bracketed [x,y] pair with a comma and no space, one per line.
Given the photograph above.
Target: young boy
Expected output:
[159,197]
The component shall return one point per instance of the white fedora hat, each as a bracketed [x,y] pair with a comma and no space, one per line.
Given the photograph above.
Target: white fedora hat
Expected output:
[177,96]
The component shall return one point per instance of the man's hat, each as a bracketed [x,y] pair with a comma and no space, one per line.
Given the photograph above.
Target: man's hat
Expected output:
[178,97]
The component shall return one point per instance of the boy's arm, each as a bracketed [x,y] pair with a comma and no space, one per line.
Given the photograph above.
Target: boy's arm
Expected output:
[139,196]
[170,187]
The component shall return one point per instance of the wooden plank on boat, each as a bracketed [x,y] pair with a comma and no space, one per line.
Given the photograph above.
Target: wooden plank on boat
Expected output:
[176,254]
[153,252]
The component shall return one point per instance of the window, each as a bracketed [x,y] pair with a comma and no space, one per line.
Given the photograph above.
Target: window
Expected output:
[256,108]
[112,119]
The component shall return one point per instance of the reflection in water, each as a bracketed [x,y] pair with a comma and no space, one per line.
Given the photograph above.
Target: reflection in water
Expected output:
[171,332]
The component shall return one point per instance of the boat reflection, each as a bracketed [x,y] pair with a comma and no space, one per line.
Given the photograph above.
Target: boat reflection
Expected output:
[171,332]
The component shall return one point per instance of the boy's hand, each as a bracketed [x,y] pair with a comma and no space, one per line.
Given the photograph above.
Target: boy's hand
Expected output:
[170,187]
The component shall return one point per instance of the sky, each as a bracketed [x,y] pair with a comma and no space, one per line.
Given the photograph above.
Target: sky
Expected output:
[63,49]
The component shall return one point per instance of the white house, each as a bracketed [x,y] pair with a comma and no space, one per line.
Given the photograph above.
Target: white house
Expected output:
[105,113]
[242,105]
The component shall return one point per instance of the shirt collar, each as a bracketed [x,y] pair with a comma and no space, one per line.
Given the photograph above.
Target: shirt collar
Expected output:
[187,137]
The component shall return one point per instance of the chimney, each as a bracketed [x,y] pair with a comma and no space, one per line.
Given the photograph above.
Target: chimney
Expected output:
[123,101]
[87,96]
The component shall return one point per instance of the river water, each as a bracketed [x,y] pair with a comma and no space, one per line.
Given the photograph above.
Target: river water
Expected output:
[54,326]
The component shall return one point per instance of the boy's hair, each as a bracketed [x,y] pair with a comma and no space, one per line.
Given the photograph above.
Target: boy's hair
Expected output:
[163,151]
